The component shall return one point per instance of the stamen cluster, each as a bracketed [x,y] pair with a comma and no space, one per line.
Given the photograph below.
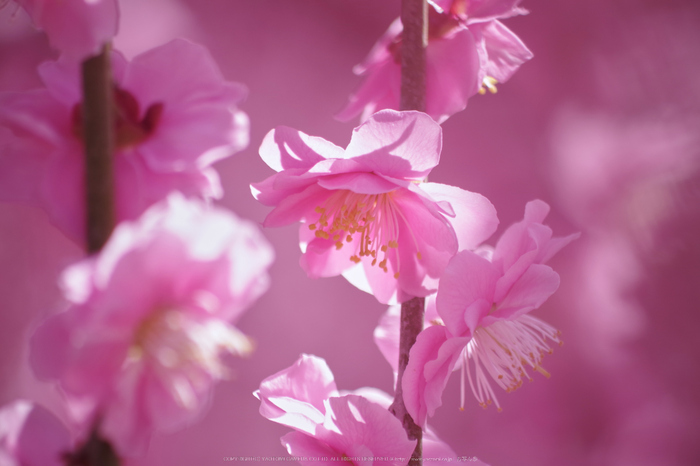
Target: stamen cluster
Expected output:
[372,217]
[504,350]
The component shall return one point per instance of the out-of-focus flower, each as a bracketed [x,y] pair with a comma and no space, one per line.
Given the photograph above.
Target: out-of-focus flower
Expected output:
[468,51]
[78,28]
[367,214]
[139,347]
[31,436]
[484,300]
[329,425]
[175,116]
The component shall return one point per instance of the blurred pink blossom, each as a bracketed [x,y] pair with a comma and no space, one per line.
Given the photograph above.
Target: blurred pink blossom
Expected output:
[484,300]
[334,425]
[139,346]
[31,436]
[367,214]
[175,116]
[468,51]
[78,28]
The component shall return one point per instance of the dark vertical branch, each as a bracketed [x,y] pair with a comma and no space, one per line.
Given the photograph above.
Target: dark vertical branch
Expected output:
[98,136]
[99,141]
[414,16]
[412,312]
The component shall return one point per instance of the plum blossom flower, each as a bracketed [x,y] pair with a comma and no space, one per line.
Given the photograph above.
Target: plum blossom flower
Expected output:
[483,300]
[340,426]
[139,347]
[78,28]
[366,212]
[31,436]
[175,116]
[468,51]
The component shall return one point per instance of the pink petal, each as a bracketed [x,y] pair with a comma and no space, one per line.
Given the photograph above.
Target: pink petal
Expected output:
[403,145]
[23,160]
[297,207]
[308,380]
[361,183]
[195,98]
[533,288]
[381,87]
[321,258]
[486,10]
[286,148]
[468,279]
[506,52]
[517,240]
[63,77]
[386,336]
[379,91]
[78,28]
[475,217]
[366,429]
[32,435]
[308,449]
[34,114]
[430,364]
[452,74]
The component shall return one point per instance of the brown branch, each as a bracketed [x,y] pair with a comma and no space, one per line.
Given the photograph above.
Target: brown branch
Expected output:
[98,136]
[414,16]
[412,312]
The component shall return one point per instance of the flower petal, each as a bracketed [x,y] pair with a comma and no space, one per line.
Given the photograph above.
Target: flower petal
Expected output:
[430,364]
[532,289]
[403,145]
[284,148]
[469,279]
[475,217]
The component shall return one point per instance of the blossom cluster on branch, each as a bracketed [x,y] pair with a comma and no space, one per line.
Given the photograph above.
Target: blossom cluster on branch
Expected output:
[148,322]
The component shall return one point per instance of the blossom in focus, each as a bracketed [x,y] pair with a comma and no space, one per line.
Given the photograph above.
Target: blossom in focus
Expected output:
[139,346]
[175,116]
[469,51]
[31,436]
[483,300]
[365,211]
[338,426]
[78,28]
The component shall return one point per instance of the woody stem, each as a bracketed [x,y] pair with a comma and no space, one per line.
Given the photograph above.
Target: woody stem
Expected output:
[98,136]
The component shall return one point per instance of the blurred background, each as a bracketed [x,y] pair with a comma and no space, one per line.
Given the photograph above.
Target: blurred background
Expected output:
[603,124]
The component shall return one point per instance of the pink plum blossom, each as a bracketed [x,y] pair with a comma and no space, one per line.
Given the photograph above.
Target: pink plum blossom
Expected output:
[78,28]
[338,426]
[468,51]
[483,300]
[31,436]
[365,210]
[139,346]
[175,116]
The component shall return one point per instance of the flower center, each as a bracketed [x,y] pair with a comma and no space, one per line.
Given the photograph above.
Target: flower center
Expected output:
[503,350]
[129,129]
[370,220]
[184,351]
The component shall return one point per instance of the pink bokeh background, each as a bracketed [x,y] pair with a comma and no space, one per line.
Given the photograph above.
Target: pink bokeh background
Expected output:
[603,124]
